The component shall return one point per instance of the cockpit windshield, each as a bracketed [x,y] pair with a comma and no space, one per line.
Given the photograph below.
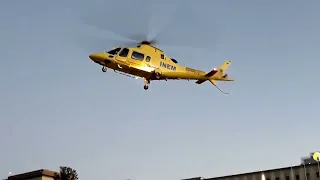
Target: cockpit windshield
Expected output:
[114,51]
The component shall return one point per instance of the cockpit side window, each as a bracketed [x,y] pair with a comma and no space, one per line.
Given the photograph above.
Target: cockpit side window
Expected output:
[137,56]
[114,51]
[124,52]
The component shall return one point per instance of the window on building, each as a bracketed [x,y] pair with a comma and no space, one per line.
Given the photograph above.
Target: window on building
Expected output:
[267,178]
[124,52]
[277,178]
[162,56]
[137,56]
[297,177]
[317,174]
[287,178]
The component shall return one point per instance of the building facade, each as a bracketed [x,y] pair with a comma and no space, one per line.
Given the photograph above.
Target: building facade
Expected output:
[301,172]
[308,170]
[309,159]
[41,174]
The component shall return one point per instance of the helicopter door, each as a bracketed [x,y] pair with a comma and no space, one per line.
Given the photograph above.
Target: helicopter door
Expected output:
[122,56]
[137,57]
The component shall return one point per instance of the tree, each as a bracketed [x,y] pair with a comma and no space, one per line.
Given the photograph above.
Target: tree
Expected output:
[66,173]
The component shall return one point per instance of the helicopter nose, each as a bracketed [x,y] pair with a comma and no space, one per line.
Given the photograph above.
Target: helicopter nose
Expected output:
[97,56]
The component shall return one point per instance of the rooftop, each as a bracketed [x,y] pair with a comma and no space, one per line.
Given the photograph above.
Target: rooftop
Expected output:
[255,172]
[33,174]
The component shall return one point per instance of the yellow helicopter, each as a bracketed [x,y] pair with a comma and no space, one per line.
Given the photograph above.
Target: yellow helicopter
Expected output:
[149,62]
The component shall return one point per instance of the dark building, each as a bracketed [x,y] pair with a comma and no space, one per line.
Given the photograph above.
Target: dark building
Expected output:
[309,159]
[307,170]
[301,172]
[41,174]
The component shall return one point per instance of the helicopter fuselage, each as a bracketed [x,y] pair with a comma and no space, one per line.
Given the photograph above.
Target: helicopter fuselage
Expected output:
[151,63]
[145,61]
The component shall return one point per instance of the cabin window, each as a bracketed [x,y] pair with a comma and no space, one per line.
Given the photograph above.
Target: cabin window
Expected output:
[114,51]
[124,52]
[162,56]
[173,60]
[148,58]
[137,56]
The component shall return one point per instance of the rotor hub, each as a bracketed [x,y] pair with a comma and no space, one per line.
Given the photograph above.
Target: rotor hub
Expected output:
[146,42]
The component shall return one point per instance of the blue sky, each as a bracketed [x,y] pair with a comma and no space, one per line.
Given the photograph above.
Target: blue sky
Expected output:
[58,108]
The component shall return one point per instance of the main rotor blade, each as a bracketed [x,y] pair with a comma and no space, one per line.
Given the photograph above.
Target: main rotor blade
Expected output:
[130,21]
[96,43]
[124,18]
[191,28]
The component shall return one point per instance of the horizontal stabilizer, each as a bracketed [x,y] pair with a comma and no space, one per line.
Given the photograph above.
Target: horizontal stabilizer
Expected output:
[209,74]
[217,74]
[200,81]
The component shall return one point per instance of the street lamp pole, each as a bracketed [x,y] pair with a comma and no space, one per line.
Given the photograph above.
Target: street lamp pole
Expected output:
[305,171]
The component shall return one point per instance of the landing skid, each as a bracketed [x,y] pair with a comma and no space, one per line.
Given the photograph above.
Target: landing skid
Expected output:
[146,81]
[126,74]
